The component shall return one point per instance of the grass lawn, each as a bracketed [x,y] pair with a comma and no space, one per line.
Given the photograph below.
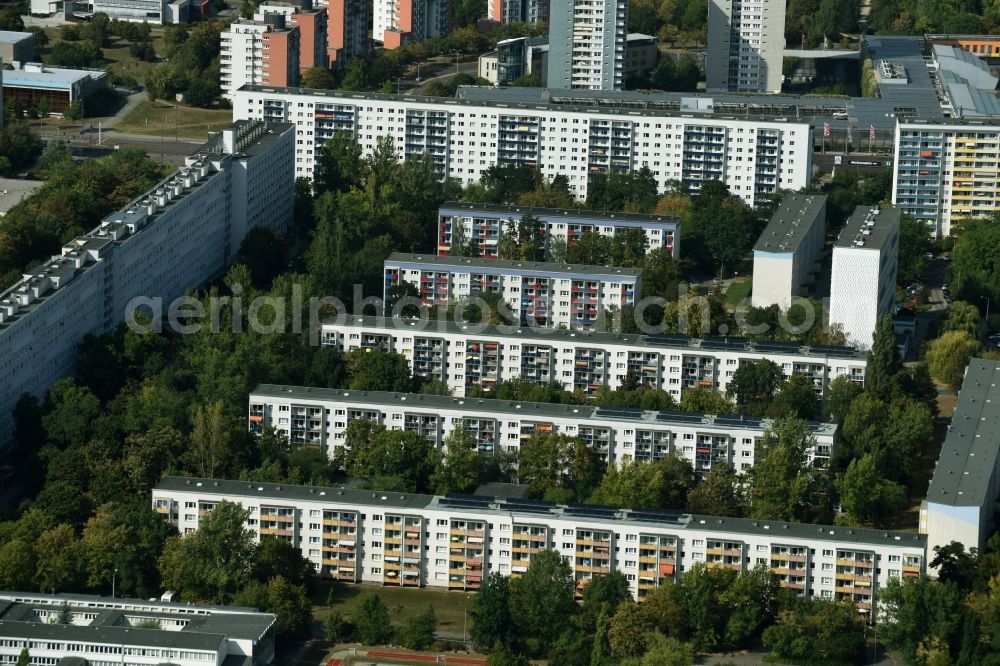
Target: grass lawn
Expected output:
[117,57]
[402,602]
[738,290]
[171,118]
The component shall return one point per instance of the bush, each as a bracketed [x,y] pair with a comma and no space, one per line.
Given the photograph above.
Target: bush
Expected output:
[339,629]
[74,111]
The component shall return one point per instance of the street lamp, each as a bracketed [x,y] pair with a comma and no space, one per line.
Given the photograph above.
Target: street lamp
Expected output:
[114,577]
[987,299]
[874,631]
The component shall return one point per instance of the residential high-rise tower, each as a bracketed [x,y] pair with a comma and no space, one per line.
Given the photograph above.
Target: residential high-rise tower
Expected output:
[587,44]
[746,41]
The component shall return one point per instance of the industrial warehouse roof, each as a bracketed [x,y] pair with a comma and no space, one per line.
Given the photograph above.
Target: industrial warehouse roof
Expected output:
[540,410]
[858,233]
[36,75]
[358,499]
[569,214]
[469,263]
[791,223]
[969,454]
[564,336]
[12,37]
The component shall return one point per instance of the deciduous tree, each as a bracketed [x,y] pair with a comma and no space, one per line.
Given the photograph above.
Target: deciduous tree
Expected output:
[490,620]
[948,356]
[542,599]
[371,621]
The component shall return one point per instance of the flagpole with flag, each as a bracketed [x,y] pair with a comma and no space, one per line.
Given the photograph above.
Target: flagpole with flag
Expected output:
[871,139]
[826,133]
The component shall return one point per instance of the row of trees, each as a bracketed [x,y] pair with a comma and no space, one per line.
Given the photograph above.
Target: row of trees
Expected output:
[705,610]
[192,64]
[370,624]
[73,200]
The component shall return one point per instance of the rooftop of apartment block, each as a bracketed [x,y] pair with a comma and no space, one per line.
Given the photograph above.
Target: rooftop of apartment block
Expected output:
[469,263]
[530,510]
[791,223]
[650,342]
[969,454]
[81,254]
[575,105]
[202,627]
[539,410]
[868,227]
[569,214]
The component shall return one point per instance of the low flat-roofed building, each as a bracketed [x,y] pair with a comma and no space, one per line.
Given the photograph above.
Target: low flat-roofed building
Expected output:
[73,628]
[962,496]
[784,255]
[16,46]
[61,86]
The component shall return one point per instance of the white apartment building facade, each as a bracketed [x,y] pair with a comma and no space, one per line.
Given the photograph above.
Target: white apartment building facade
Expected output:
[398,22]
[587,44]
[319,418]
[518,11]
[537,293]
[753,158]
[946,171]
[133,632]
[171,239]
[785,255]
[407,540]
[482,225]
[265,52]
[863,279]
[465,356]
[746,42]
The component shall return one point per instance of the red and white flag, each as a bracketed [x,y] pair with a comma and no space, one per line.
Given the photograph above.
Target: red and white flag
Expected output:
[871,132]
[826,129]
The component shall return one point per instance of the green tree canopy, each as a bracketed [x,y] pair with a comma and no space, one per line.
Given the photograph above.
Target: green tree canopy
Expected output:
[543,597]
[948,356]
[215,561]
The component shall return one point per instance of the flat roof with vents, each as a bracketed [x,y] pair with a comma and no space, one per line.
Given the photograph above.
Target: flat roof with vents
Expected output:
[529,510]
[460,264]
[569,215]
[966,472]
[869,227]
[791,223]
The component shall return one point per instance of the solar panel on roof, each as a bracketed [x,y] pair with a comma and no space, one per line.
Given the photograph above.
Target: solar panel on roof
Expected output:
[681,417]
[653,515]
[737,420]
[469,498]
[461,504]
[832,348]
[526,508]
[594,510]
[673,340]
[722,344]
[528,500]
[777,346]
